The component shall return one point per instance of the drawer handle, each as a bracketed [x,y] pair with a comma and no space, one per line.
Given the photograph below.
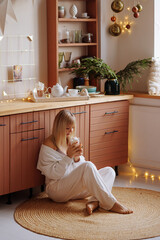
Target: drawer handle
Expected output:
[29,122]
[2,125]
[80,112]
[111,112]
[111,132]
[27,139]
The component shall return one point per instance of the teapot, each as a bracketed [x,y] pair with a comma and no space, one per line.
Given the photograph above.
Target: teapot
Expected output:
[57,90]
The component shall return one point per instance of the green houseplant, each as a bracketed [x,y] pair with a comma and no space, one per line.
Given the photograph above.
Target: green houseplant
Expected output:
[95,68]
[126,75]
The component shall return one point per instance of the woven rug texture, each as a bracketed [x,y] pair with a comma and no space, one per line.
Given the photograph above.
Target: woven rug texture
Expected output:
[70,220]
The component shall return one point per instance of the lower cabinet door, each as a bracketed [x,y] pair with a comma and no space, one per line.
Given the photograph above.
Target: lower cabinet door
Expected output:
[25,148]
[4,155]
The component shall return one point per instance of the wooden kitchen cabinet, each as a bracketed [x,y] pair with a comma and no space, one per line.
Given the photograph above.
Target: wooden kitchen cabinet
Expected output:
[109,133]
[4,155]
[82,124]
[27,135]
[55,25]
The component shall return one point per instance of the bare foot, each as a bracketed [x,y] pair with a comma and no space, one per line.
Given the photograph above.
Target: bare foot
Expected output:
[91,206]
[118,208]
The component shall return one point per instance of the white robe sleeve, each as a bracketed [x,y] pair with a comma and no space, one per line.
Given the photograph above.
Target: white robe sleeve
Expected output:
[53,164]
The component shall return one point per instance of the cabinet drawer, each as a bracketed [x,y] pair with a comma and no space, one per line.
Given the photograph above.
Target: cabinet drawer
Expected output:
[26,122]
[109,112]
[111,158]
[118,122]
[109,134]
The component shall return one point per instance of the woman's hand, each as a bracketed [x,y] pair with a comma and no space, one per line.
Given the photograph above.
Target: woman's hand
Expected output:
[74,150]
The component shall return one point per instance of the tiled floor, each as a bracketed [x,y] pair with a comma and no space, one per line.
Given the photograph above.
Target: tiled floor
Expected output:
[10,230]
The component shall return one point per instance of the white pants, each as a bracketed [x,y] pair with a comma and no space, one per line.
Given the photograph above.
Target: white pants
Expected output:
[85,181]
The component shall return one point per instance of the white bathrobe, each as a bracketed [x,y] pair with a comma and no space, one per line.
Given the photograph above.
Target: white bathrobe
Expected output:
[66,179]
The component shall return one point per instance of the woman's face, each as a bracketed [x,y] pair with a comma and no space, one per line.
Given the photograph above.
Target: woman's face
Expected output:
[69,130]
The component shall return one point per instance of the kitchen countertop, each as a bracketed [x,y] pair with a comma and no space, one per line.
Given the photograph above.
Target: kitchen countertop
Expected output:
[20,106]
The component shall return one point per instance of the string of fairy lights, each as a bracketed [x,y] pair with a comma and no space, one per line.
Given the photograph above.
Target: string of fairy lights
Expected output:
[147,174]
[124,16]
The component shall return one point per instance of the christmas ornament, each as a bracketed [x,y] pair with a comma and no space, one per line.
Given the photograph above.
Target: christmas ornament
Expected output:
[134,9]
[128,26]
[136,15]
[140,8]
[115,29]
[117,6]
[113,19]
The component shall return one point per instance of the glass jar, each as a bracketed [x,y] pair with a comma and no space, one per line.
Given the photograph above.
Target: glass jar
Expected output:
[87,38]
[61,12]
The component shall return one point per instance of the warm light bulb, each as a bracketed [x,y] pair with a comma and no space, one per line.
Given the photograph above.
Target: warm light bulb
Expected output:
[123,31]
[136,175]
[133,169]
[146,174]
[126,17]
[128,8]
[121,22]
[152,176]
[159,177]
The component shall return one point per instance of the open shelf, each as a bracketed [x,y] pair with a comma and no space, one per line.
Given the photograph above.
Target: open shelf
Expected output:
[65,69]
[77,20]
[76,44]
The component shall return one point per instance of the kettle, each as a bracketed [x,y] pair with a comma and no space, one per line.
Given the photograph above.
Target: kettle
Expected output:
[112,87]
[58,91]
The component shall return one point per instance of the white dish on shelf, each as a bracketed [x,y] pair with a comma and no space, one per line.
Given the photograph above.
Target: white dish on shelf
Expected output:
[85,17]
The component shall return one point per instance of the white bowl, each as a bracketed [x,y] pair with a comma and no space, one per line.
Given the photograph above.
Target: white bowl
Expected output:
[89,88]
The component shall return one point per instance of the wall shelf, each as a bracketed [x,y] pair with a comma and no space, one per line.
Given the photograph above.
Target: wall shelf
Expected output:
[77,20]
[76,44]
[65,69]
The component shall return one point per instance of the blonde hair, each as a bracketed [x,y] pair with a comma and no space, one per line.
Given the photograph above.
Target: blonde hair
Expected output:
[62,120]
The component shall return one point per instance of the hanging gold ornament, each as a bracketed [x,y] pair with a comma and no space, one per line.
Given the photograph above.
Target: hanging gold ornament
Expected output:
[115,29]
[117,6]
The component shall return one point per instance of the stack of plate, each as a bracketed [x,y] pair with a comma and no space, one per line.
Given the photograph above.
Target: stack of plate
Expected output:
[90,89]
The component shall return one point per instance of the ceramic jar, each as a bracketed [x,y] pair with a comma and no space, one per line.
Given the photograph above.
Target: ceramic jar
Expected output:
[61,12]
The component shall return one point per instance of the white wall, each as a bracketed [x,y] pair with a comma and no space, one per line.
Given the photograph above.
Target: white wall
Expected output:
[119,51]
[31,20]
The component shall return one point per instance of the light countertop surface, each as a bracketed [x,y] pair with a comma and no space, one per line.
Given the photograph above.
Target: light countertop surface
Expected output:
[19,106]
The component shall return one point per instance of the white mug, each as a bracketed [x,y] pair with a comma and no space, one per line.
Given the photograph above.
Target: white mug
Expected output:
[73,92]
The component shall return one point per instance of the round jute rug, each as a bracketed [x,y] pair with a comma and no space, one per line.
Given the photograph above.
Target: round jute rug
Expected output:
[70,221]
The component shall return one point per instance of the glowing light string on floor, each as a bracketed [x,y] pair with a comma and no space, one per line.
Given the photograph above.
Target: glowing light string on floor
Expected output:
[124,16]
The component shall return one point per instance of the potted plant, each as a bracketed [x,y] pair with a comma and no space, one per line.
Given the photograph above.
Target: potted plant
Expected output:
[95,68]
[126,76]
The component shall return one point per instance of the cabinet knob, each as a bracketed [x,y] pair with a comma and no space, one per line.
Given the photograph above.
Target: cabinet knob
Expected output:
[111,132]
[111,112]
[28,139]
[80,112]
[29,122]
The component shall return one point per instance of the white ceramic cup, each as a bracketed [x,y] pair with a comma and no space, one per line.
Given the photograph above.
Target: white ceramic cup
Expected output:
[73,92]
[85,15]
